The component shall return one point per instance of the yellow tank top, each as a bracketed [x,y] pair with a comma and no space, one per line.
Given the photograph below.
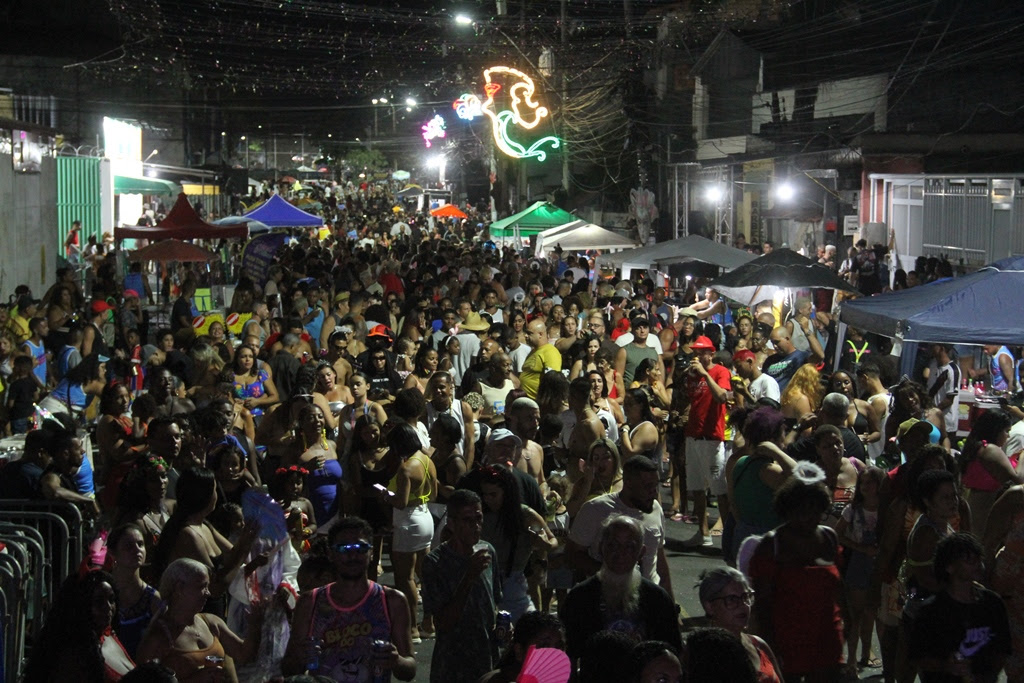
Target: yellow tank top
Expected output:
[421,494]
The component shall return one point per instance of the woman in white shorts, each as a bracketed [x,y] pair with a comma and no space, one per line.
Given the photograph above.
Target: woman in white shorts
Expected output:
[413,486]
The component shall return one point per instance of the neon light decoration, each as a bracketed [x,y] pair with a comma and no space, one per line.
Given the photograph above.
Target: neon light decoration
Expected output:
[467,107]
[521,93]
[434,128]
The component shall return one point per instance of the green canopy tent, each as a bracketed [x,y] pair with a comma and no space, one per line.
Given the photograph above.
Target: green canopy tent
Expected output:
[528,222]
[127,184]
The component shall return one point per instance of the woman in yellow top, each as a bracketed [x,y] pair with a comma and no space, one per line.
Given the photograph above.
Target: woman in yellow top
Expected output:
[413,486]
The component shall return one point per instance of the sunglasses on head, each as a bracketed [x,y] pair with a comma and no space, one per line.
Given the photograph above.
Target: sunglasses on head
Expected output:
[361,548]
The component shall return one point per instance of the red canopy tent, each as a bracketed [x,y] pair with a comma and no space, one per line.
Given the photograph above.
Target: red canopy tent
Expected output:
[172,250]
[182,223]
[448,211]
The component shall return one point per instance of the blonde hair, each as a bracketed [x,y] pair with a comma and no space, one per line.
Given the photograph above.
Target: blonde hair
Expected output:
[178,572]
[807,381]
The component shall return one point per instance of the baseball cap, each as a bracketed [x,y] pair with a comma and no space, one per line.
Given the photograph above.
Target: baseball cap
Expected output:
[702,343]
[100,306]
[638,321]
[502,434]
[910,424]
[341,296]
[375,288]
[129,293]
[743,355]
[380,331]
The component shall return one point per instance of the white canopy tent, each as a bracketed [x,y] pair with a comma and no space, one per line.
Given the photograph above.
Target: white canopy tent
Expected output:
[579,235]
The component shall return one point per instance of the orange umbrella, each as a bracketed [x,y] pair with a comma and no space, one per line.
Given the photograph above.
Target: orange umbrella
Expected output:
[448,211]
[172,250]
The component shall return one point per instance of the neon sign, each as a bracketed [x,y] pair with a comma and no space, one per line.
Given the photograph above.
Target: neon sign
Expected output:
[525,112]
[434,128]
[468,107]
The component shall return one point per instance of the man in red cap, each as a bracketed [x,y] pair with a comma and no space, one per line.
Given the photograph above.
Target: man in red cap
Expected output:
[706,388]
[756,385]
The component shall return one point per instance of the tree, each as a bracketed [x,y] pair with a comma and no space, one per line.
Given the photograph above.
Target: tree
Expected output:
[370,159]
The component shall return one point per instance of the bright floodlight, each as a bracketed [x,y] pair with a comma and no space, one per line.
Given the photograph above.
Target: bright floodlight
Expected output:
[383,100]
[410,102]
[435,161]
[784,192]
[375,100]
[463,19]
[713,194]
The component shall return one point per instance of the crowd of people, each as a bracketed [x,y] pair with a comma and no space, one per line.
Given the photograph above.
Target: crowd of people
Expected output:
[503,430]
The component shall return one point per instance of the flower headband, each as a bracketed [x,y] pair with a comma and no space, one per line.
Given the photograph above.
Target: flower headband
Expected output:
[288,470]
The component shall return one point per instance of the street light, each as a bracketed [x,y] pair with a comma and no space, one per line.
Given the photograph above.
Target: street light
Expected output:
[246,145]
[439,162]
[151,155]
[784,192]
[713,194]
[463,20]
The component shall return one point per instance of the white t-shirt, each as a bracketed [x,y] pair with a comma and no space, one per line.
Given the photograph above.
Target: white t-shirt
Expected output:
[950,376]
[518,356]
[652,341]
[586,529]
[765,385]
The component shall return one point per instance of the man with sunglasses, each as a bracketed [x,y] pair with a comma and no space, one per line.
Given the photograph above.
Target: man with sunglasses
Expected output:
[335,626]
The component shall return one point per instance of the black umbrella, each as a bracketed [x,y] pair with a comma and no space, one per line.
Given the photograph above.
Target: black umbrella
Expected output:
[764,276]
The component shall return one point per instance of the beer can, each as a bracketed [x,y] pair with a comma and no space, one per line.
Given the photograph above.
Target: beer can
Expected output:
[503,628]
[381,673]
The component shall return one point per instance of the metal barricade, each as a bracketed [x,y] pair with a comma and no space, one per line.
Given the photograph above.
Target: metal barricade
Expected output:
[77,529]
[57,542]
[38,572]
[13,584]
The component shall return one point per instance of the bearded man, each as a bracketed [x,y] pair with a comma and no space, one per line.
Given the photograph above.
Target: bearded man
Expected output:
[618,597]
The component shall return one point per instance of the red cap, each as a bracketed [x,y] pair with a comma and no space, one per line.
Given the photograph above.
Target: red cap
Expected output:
[100,306]
[702,343]
[380,331]
[743,354]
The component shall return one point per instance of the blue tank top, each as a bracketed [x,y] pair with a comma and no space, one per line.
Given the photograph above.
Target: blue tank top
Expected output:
[346,634]
[39,358]
[999,381]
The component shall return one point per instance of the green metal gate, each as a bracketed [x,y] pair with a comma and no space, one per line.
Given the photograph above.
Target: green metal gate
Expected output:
[78,197]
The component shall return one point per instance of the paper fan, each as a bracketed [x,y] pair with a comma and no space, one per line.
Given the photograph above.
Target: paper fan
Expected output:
[258,505]
[546,665]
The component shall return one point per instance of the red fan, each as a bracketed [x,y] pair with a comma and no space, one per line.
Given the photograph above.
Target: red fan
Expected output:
[546,665]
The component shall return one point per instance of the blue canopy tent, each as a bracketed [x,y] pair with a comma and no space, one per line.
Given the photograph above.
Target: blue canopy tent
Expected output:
[277,213]
[980,308]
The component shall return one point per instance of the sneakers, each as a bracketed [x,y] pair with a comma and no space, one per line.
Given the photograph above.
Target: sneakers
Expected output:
[699,541]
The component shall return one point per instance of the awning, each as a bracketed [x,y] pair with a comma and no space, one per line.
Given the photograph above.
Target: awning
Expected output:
[128,184]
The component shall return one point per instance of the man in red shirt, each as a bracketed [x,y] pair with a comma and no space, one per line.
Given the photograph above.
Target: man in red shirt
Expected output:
[706,388]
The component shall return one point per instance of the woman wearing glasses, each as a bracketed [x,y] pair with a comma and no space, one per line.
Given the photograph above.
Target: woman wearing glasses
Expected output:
[726,597]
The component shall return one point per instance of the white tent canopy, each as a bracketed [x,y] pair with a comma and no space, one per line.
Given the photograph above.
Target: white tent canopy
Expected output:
[579,235]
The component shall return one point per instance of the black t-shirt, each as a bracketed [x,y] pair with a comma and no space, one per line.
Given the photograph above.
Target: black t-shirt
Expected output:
[21,394]
[20,479]
[803,448]
[978,631]
[584,614]
[182,309]
[529,489]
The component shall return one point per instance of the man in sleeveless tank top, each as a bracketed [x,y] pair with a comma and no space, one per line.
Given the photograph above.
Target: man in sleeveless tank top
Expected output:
[334,626]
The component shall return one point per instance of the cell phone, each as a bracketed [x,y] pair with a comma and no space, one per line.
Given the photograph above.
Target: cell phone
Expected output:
[383,489]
